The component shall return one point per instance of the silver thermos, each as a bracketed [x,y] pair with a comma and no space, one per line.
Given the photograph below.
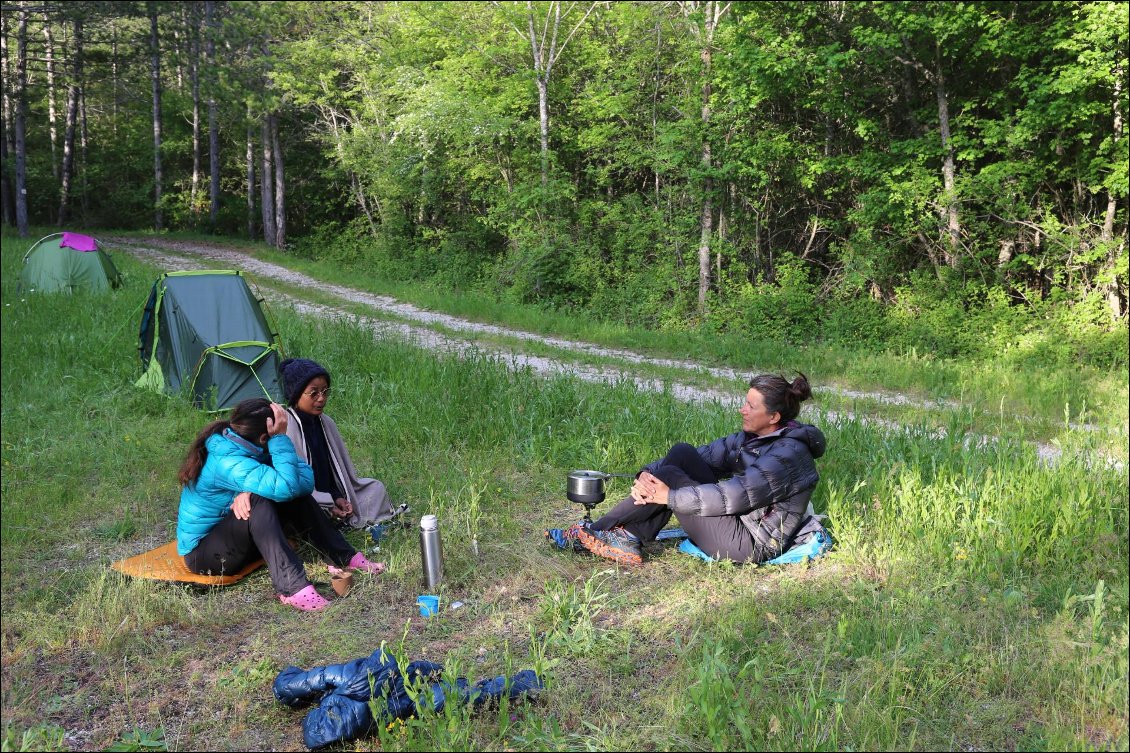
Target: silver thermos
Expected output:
[431,551]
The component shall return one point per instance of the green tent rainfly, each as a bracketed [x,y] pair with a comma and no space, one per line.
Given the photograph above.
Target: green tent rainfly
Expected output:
[66,263]
[205,335]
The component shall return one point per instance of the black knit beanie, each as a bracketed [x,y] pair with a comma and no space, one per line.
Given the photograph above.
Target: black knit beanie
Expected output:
[297,373]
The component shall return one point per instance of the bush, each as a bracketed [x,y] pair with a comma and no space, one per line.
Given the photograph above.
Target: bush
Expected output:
[785,310]
[856,322]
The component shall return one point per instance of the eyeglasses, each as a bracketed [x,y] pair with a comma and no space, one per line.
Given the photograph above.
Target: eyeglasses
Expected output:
[315,394]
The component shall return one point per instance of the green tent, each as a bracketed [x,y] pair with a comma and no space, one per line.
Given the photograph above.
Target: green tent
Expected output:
[205,335]
[66,262]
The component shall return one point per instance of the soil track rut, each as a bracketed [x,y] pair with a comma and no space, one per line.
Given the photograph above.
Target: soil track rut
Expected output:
[174,255]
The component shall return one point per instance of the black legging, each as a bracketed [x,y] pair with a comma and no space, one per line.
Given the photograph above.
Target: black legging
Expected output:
[233,543]
[722,537]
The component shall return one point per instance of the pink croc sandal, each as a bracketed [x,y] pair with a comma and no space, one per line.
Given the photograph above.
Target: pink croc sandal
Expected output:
[360,563]
[307,600]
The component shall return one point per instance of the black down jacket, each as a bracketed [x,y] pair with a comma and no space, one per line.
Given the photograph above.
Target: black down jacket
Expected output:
[342,692]
[767,481]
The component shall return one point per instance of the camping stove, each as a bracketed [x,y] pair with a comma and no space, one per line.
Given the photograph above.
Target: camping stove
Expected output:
[587,488]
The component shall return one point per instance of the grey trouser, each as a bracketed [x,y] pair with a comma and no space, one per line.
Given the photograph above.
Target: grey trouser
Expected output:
[233,543]
[722,537]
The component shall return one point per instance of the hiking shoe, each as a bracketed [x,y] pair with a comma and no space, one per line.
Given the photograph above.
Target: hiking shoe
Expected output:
[306,600]
[566,538]
[361,564]
[616,544]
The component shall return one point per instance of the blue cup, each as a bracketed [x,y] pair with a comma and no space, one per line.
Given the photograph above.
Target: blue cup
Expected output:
[428,604]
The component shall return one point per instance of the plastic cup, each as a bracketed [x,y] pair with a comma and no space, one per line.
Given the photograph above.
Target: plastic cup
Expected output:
[428,604]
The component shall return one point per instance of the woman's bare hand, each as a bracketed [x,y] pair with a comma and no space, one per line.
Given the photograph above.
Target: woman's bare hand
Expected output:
[241,506]
[277,422]
[649,490]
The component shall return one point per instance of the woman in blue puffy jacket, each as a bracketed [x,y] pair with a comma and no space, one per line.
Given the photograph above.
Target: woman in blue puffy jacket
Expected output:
[244,489]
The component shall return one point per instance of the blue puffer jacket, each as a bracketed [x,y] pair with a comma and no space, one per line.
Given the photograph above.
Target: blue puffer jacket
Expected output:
[767,482]
[235,465]
[342,692]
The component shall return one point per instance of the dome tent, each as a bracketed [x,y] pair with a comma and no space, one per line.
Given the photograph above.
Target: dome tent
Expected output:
[204,334]
[68,262]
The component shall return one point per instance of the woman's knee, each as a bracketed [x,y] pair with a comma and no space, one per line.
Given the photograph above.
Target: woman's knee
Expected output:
[264,515]
[680,449]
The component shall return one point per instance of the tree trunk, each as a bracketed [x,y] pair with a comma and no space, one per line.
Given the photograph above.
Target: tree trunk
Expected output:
[546,52]
[21,123]
[114,76]
[267,183]
[543,125]
[194,81]
[1113,291]
[213,119]
[541,74]
[155,76]
[83,154]
[707,229]
[331,117]
[712,13]
[68,171]
[949,202]
[7,146]
[178,58]
[52,117]
[250,176]
[280,186]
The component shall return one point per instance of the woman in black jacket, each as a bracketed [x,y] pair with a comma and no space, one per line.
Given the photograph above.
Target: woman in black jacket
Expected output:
[742,497]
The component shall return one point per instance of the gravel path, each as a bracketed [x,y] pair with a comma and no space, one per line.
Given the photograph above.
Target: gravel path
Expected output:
[173,255]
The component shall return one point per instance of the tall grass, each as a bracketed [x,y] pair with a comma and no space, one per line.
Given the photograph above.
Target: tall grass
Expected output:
[977,598]
[988,386]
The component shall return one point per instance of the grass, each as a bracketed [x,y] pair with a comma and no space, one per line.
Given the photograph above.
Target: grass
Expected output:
[929,415]
[1051,397]
[975,599]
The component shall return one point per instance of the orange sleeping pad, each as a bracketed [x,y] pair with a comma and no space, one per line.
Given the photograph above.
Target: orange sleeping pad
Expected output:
[163,563]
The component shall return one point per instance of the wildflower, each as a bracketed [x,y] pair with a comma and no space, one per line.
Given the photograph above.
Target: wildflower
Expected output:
[961,554]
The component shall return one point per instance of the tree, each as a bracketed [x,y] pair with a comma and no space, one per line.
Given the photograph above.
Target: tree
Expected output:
[21,123]
[704,19]
[546,52]
[193,31]
[155,78]
[74,93]
[7,143]
[280,182]
[213,115]
[49,54]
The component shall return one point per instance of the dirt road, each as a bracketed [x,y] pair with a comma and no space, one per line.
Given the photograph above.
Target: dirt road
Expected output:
[416,325]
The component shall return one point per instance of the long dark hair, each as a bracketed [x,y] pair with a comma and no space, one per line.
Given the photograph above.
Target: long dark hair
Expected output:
[780,396]
[248,419]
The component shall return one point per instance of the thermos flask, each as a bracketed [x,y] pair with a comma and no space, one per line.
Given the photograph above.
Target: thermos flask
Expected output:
[431,551]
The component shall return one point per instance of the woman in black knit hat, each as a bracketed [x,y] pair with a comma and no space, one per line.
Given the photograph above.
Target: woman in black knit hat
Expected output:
[343,495]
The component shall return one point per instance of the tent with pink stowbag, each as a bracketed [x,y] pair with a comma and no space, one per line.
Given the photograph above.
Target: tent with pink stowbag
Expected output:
[67,263]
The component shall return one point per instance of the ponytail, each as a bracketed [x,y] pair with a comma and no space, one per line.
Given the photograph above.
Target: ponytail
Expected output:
[248,419]
[780,395]
[198,453]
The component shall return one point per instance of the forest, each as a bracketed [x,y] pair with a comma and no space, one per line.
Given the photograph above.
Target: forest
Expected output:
[946,179]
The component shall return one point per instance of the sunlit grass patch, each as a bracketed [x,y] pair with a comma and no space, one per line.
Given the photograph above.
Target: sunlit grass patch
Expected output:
[976,598]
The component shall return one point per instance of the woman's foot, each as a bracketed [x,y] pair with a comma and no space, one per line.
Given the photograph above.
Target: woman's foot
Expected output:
[306,600]
[616,544]
[361,564]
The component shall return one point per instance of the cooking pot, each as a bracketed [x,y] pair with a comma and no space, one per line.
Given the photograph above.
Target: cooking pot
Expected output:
[587,487]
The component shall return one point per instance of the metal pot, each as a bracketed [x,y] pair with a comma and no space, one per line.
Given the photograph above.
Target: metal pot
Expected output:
[587,487]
